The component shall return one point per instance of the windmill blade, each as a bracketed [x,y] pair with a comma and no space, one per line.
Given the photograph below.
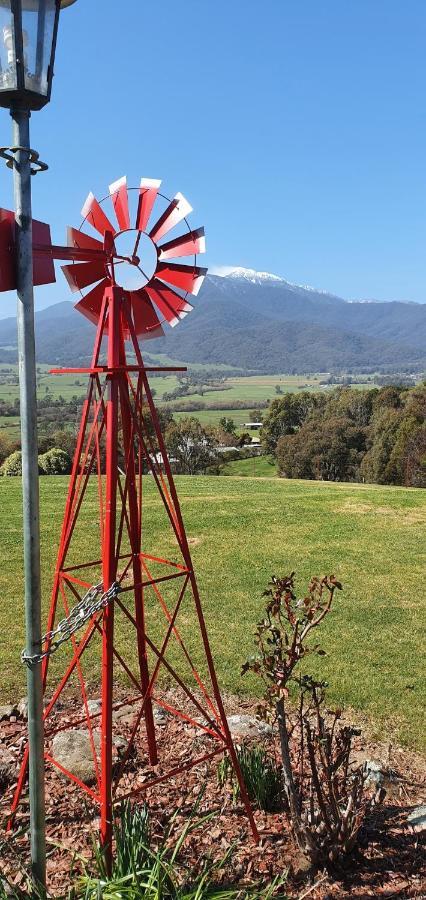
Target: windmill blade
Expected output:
[91,305]
[81,275]
[120,202]
[147,196]
[171,305]
[187,244]
[145,319]
[187,278]
[94,214]
[81,240]
[177,210]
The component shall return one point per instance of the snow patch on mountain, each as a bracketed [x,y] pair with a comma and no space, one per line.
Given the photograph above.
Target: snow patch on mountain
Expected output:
[251,275]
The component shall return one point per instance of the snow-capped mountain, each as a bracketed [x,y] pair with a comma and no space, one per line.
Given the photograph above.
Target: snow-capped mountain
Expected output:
[254,277]
[257,321]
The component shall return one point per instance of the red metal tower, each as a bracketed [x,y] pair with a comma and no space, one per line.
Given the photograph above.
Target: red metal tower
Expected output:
[119,442]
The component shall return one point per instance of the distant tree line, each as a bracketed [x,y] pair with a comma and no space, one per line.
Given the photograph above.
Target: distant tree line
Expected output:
[192,447]
[376,435]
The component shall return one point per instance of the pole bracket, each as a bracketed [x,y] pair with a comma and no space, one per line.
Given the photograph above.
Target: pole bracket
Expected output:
[8,153]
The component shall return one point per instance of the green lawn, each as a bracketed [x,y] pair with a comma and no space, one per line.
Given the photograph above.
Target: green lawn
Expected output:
[213,416]
[243,530]
[255,467]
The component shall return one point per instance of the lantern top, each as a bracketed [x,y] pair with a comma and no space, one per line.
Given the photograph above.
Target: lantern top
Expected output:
[28,30]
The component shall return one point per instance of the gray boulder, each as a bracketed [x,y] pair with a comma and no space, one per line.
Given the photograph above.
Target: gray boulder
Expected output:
[94,707]
[7,711]
[417,817]
[375,773]
[22,708]
[72,749]
[7,767]
[248,726]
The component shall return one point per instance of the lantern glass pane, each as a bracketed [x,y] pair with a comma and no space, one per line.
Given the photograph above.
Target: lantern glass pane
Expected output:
[7,50]
[38,21]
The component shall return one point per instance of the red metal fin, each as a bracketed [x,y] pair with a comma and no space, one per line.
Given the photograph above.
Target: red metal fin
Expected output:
[187,244]
[120,202]
[145,319]
[187,278]
[91,304]
[177,210]
[171,305]
[43,265]
[95,216]
[84,241]
[147,196]
[81,275]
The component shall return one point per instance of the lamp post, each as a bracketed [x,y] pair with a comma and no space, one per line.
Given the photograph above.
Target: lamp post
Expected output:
[28,31]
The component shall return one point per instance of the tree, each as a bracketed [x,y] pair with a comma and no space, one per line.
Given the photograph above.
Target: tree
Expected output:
[6,447]
[55,462]
[12,466]
[227,425]
[244,439]
[324,448]
[192,446]
[285,415]
[382,437]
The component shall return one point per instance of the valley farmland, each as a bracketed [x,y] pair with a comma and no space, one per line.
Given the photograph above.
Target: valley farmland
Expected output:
[233,396]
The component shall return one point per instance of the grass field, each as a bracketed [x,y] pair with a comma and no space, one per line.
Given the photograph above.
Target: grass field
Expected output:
[243,530]
[251,388]
[213,416]
[255,467]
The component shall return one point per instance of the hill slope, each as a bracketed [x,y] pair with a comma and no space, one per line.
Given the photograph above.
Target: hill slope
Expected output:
[260,322]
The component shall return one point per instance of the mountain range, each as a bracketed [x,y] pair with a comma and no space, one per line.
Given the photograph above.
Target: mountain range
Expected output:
[259,322]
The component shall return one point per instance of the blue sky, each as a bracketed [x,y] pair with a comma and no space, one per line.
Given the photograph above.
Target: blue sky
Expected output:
[296,128]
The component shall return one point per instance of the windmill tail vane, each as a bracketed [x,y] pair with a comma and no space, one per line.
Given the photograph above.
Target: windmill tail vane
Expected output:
[112,579]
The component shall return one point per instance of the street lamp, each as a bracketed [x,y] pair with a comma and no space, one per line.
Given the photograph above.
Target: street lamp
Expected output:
[28,31]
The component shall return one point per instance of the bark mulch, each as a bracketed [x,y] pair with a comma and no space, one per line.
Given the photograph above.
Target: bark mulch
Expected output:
[389,861]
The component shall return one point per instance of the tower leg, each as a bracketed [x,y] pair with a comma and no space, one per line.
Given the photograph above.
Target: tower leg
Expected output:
[135,543]
[109,573]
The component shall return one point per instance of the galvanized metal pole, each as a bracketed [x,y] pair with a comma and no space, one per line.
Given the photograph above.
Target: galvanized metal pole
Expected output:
[30,488]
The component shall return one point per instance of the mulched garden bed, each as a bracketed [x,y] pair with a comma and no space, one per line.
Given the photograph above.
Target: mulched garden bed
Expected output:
[389,860]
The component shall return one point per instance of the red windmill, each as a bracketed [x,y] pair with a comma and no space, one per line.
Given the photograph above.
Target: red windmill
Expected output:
[133,289]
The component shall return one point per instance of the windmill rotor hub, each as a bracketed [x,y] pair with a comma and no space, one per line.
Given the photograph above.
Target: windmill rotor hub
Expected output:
[134,259]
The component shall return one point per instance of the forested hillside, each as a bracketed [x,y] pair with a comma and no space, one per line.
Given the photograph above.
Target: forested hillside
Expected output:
[258,323]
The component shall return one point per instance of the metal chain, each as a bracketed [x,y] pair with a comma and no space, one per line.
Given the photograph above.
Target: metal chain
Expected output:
[92,603]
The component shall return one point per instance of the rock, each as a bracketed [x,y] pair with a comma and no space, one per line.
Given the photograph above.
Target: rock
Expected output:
[417,817]
[6,712]
[94,707]
[126,714]
[248,726]
[375,773]
[119,745]
[22,708]
[160,715]
[7,767]
[72,749]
